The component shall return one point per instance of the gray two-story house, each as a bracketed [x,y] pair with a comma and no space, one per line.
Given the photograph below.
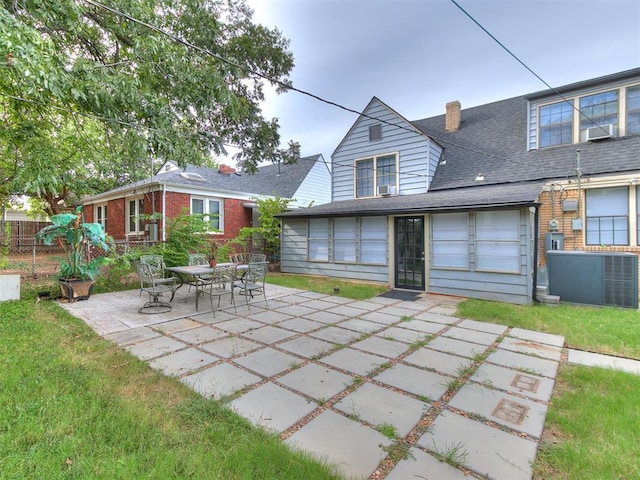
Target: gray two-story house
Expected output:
[466,203]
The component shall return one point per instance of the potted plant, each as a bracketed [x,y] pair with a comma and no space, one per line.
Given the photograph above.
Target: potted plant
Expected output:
[77,270]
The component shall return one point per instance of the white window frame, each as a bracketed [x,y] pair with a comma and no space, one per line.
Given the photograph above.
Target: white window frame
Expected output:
[345,240]
[100,214]
[450,241]
[135,216]
[318,240]
[374,240]
[375,174]
[594,213]
[216,224]
[497,238]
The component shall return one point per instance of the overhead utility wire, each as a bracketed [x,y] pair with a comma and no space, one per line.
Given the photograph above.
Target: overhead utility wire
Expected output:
[553,89]
[288,86]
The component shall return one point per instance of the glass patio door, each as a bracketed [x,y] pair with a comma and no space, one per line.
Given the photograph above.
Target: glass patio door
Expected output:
[409,254]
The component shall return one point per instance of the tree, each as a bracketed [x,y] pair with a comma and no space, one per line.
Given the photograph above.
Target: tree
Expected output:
[92,94]
[269,230]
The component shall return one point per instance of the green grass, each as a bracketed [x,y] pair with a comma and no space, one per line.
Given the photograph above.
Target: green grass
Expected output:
[75,406]
[605,330]
[327,285]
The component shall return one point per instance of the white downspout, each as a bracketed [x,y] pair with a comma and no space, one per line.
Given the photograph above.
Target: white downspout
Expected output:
[164,205]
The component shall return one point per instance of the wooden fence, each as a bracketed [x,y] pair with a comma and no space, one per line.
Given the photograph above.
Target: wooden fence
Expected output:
[22,237]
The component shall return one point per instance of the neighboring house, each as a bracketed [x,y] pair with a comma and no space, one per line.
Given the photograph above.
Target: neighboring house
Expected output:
[229,196]
[463,203]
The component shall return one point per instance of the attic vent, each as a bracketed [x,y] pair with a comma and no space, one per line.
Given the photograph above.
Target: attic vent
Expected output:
[599,132]
[375,132]
[196,177]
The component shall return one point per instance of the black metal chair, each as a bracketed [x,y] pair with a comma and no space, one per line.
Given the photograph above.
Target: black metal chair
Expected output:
[253,281]
[155,287]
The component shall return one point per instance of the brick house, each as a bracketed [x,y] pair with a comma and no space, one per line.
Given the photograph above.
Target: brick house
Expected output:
[473,202]
[228,195]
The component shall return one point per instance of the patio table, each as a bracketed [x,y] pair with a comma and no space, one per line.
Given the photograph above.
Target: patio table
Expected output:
[200,274]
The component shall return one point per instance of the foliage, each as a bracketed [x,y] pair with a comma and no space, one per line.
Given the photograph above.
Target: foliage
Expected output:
[269,230]
[185,234]
[89,97]
[76,237]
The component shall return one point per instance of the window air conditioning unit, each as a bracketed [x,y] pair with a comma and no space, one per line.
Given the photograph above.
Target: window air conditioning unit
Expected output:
[600,132]
[385,190]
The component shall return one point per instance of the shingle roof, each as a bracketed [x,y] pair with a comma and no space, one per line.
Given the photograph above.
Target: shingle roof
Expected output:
[272,180]
[486,196]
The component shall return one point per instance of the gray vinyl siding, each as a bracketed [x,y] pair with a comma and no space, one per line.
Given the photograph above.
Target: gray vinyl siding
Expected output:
[294,258]
[417,155]
[315,187]
[498,286]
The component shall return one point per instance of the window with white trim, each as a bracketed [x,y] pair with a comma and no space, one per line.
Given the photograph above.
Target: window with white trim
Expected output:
[450,240]
[607,216]
[318,240]
[212,210]
[556,124]
[373,240]
[370,173]
[100,215]
[633,110]
[135,210]
[498,241]
[598,110]
[344,240]
[638,214]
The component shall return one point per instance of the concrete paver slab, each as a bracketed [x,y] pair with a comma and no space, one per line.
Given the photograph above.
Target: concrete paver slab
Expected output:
[420,382]
[267,361]
[381,346]
[306,346]
[301,325]
[533,386]
[238,325]
[540,337]
[604,361]
[483,326]
[380,406]
[380,317]
[230,346]
[362,326]
[475,336]
[196,336]
[423,326]
[316,381]
[483,449]
[438,361]
[325,317]
[337,335]
[355,449]
[318,305]
[525,363]
[347,311]
[514,412]
[421,465]
[134,335]
[177,325]
[355,361]
[397,311]
[531,348]
[273,407]
[457,347]
[155,347]
[183,361]
[403,335]
[220,380]
[268,334]
[433,315]
[270,316]
[296,310]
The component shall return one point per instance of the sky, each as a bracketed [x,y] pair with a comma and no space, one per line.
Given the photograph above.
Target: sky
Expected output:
[417,55]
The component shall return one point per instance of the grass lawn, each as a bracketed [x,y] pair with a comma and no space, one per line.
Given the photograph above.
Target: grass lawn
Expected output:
[592,430]
[75,406]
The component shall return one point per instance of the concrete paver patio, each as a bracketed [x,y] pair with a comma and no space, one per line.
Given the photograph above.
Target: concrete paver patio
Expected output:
[347,380]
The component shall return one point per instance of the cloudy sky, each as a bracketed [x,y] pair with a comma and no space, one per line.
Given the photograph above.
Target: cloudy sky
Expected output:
[417,55]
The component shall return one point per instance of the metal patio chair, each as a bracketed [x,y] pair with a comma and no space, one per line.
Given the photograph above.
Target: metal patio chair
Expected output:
[220,284]
[155,287]
[253,281]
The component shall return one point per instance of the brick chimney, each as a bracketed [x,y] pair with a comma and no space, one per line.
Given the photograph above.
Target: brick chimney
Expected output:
[226,169]
[452,117]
